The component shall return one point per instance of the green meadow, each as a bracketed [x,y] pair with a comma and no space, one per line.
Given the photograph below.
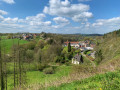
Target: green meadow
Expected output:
[107,81]
[8,43]
[36,77]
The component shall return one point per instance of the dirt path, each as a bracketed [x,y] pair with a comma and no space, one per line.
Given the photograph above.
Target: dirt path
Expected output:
[93,64]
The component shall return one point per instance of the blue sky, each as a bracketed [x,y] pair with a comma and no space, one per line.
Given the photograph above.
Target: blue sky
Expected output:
[59,16]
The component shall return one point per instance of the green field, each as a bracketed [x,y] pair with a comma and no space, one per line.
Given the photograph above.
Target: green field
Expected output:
[8,43]
[107,81]
[37,77]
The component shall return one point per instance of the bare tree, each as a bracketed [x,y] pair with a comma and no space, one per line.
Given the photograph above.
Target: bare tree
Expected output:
[1,68]
[5,65]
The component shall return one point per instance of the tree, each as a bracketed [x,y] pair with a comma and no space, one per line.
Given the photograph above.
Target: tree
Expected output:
[19,70]
[99,56]
[69,47]
[5,65]
[1,69]
[38,58]
[41,44]
[82,59]
[29,56]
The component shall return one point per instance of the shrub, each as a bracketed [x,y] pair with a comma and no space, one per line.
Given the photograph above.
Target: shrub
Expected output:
[49,70]
[83,69]
[42,67]
[85,52]
[68,63]
[41,44]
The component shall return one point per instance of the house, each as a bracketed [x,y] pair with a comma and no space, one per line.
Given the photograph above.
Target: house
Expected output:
[88,47]
[77,59]
[27,36]
[93,54]
[73,44]
[83,49]
[82,44]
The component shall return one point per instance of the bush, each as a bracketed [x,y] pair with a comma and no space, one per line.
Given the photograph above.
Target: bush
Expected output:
[49,70]
[42,67]
[83,69]
[85,52]
[68,63]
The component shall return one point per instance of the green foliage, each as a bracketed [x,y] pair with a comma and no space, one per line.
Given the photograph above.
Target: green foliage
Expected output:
[36,77]
[50,41]
[49,70]
[42,66]
[59,59]
[69,47]
[107,81]
[69,55]
[41,44]
[99,56]
[29,54]
[109,45]
[83,69]
[38,56]
[31,45]
[87,52]
[9,36]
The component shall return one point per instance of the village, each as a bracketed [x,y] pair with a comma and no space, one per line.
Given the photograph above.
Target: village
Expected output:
[84,47]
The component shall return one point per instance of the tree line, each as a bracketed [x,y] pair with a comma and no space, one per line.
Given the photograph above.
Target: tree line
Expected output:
[38,53]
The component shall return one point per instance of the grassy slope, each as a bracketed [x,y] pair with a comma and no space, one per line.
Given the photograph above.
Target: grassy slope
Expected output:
[111,53]
[9,42]
[96,82]
[37,77]
[107,81]
[110,48]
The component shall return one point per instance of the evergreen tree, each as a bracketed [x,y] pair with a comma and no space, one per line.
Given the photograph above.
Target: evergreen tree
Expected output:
[69,47]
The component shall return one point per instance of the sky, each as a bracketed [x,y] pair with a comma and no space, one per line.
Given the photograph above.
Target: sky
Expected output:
[59,16]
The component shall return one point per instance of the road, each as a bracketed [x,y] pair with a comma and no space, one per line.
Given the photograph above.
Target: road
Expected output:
[93,64]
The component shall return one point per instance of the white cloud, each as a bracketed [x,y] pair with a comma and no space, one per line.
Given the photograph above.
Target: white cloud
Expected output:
[66,9]
[107,22]
[3,12]
[47,23]
[1,18]
[29,24]
[97,24]
[65,3]
[61,20]
[9,1]
[38,17]
[36,20]
[10,20]
[82,17]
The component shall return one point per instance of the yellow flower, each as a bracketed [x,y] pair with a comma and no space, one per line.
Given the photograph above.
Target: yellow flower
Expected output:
[100,88]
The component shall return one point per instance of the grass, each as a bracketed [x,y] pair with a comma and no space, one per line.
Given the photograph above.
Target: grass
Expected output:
[37,77]
[87,62]
[8,43]
[89,52]
[40,77]
[107,81]
[110,48]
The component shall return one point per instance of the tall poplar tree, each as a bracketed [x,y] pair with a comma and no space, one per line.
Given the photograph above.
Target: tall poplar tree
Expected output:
[1,68]
[69,47]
